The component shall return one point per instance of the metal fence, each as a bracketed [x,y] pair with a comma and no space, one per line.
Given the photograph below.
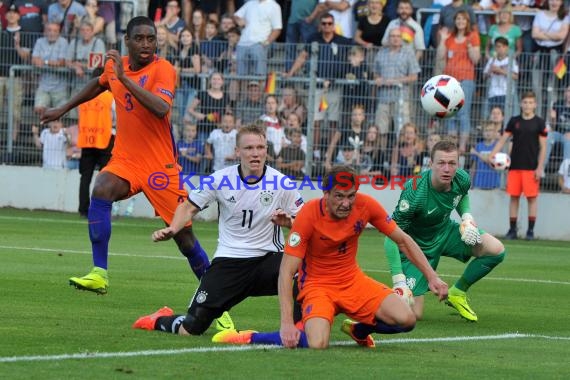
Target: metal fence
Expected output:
[324,105]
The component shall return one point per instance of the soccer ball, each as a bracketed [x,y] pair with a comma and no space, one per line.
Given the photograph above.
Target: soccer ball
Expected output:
[501,161]
[442,96]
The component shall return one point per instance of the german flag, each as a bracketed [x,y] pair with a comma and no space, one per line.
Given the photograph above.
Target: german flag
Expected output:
[323,105]
[270,83]
[213,117]
[408,33]
[560,69]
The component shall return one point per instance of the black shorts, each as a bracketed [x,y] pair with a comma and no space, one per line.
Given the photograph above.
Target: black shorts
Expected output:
[229,281]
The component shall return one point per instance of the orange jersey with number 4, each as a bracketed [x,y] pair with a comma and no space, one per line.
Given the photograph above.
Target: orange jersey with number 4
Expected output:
[328,246]
[142,136]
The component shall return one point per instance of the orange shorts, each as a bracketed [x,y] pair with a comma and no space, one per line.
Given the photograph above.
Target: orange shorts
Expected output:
[522,181]
[359,299]
[162,188]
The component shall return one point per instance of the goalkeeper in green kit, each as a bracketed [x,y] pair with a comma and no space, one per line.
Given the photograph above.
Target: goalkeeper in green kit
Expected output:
[423,211]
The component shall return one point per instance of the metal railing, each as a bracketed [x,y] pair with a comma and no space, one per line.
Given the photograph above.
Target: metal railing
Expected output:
[306,83]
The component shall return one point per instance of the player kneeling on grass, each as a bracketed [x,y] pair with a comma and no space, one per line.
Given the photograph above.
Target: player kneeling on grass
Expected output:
[322,246]
[423,211]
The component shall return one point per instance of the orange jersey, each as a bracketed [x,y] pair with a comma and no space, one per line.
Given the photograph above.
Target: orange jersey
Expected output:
[328,246]
[458,63]
[96,122]
[142,136]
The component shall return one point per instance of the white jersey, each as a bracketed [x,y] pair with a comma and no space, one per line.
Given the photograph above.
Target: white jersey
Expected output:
[245,209]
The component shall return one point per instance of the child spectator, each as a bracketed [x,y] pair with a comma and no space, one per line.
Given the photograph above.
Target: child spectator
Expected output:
[357,91]
[223,141]
[292,157]
[188,67]
[53,141]
[211,46]
[342,137]
[527,162]
[425,156]
[294,122]
[275,131]
[483,176]
[227,23]
[406,153]
[227,61]
[292,103]
[497,71]
[497,117]
[371,149]
[190,149]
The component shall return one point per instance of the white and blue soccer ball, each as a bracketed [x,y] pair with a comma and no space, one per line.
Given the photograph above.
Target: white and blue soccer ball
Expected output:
[442,96]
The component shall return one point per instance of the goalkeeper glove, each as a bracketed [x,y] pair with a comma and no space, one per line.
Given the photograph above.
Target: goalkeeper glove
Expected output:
[402,289]
[469,231]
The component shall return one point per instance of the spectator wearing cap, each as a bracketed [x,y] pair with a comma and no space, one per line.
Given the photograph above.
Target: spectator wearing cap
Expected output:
[251,108]
[261,24]
[16,49]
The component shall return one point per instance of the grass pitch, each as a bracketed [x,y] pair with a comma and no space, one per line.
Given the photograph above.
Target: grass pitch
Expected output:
[49,330]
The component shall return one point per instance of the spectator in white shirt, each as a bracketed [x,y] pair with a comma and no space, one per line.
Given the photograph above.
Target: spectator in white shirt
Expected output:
[262,24]
[53,141]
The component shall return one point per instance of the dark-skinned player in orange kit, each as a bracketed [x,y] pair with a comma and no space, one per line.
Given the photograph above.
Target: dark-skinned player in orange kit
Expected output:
[144,156]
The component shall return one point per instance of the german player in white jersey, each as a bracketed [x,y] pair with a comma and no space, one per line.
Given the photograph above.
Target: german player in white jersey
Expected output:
[245,209]
[255,201]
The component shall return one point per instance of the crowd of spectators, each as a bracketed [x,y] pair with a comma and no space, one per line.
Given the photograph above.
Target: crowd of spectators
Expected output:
[372,57]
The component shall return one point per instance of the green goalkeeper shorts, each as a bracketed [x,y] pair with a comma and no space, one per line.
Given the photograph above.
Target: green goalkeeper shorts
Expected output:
[450,245]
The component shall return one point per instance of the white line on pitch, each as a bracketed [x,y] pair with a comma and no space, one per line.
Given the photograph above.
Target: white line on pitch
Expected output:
[50,250]
[99,355]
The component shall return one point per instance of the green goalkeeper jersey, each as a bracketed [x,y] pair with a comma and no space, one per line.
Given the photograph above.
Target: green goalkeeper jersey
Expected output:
[424,213]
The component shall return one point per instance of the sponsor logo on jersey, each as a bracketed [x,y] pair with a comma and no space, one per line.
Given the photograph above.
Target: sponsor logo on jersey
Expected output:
[294,239]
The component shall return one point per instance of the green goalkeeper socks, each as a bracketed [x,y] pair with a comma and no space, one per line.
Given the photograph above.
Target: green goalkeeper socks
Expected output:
[477,269]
